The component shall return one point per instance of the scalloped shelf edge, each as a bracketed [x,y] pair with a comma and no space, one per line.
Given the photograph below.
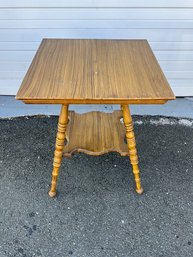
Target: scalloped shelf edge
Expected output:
[95,133]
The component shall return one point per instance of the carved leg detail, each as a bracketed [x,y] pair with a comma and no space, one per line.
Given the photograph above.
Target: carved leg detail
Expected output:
[130,136]
[59,146]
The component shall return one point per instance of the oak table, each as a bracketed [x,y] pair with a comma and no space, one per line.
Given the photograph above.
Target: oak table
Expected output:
[89,71]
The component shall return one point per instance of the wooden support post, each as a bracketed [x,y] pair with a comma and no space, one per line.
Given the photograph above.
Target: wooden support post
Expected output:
[59,146]
[130,136]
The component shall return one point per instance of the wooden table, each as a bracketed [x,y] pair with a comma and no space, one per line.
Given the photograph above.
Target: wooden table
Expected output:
[89,71]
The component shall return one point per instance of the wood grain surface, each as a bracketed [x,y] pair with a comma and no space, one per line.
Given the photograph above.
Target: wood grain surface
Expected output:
[95,133]
[66,71]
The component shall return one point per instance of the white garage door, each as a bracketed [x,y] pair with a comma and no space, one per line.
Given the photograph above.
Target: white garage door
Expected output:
[167,25]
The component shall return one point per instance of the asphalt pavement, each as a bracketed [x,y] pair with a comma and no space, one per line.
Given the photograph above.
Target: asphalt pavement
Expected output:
[96,212]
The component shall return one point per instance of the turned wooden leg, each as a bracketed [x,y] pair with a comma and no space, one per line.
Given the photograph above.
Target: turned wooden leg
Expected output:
[130,136]
[59,146]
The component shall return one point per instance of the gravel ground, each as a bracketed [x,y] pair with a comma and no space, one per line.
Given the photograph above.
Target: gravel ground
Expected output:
[97,212]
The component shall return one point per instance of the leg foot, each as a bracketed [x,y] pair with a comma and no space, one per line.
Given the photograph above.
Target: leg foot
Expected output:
[130,136]
[52,194]
[59,146]
[139,191]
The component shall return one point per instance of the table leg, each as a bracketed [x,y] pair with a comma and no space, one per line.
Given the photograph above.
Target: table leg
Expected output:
[130,136]
[59,146]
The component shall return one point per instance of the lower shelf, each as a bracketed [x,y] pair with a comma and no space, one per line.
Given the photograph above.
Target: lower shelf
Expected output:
[95,133]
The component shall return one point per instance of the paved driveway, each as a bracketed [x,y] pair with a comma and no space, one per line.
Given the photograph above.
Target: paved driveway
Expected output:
[97,213]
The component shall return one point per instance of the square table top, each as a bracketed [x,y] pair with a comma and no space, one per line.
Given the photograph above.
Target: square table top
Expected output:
[92,71]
